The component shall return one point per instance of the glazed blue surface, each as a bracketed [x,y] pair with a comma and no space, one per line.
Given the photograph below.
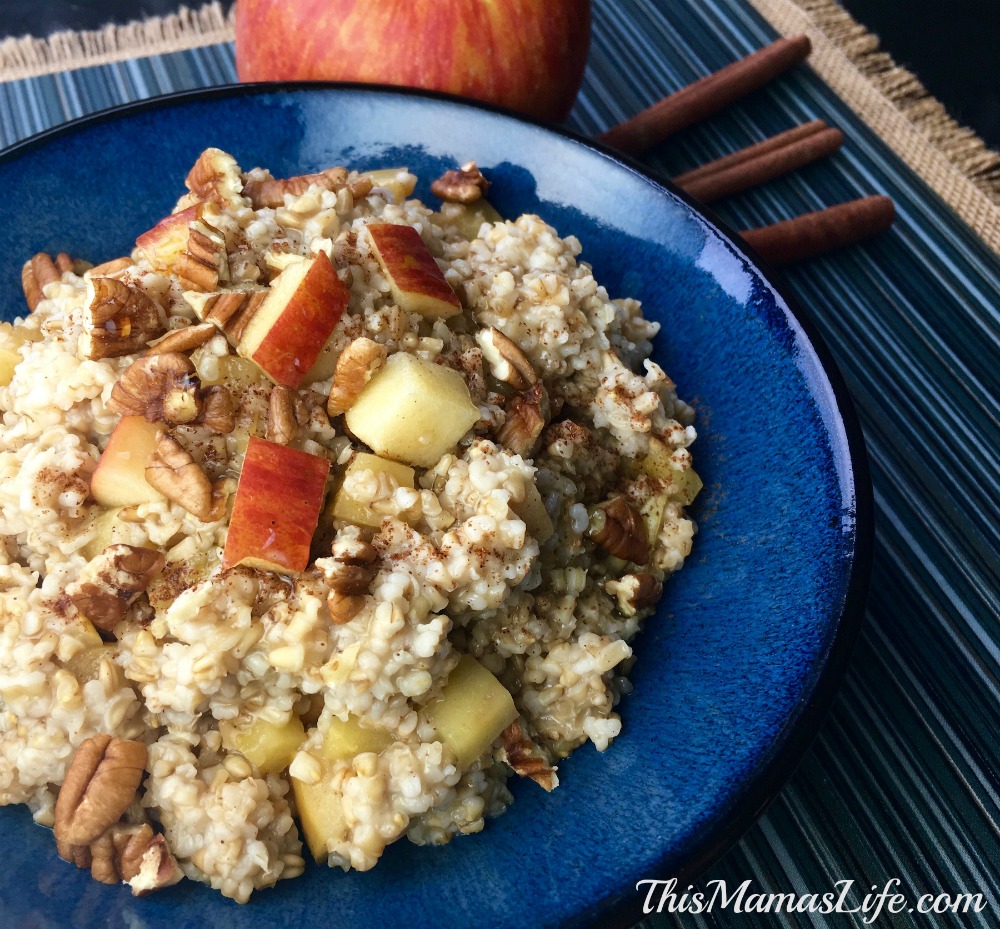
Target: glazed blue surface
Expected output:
[749,638]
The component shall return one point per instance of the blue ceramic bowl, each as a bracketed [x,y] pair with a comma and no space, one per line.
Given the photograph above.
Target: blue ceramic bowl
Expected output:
[739,664]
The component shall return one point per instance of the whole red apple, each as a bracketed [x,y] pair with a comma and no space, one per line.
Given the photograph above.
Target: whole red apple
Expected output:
[525,54]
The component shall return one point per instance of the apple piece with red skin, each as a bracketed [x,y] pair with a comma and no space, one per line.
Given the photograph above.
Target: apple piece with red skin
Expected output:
[120,476]
[418,286]
[294,321]
[277,506]
[522,54]
[168,239]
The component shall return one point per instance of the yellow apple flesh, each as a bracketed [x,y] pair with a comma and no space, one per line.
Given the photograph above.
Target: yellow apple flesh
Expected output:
[355,511]
[473,710]
[412,410]
[120,476]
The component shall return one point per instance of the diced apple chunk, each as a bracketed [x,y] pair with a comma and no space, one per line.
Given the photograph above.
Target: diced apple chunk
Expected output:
[120,476]
[325,363]
[355,511]
[8,361]
[417,284]
[271,747]
[472,217]
[684,485]
[295,319]
[398,181]
[321,812]
[104,528]
[531,510]
[473,710]
[344,741]
[412,410]
[278,501]
[12,337]
[85,665]
[652,513]
[168,239]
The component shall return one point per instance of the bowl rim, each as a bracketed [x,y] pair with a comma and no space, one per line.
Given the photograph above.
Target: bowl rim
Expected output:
[797,734]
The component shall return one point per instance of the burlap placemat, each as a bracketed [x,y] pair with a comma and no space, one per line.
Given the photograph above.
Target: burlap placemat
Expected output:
[952,160]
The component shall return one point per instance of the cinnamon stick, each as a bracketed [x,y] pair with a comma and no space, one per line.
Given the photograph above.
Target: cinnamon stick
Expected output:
[751,151]
[813,234]
[747,170]
[706,96]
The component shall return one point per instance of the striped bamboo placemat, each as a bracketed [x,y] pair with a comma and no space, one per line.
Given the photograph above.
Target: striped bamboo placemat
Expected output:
[902,780]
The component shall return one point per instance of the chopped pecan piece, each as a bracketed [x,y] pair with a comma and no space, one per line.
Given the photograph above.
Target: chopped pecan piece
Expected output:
[635,592]
[527,416]
[467,185]
[162,388]
[526,758]
[343,607]
[357,363]
[130,853]
[202,264]
[507,362]
[215,176]
[349,574]
[110,268]
[281,422]
[270,191]
[40,270]
[173,472]
[184,340]
[100,784]
[230,311]
[112,581]
[620,531]
[120,319]
[218,412]
[360,186]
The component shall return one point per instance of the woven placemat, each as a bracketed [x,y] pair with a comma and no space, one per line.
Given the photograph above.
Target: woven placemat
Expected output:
[952,160]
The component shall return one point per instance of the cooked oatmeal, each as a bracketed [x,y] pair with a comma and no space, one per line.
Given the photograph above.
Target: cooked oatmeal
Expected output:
[322,514]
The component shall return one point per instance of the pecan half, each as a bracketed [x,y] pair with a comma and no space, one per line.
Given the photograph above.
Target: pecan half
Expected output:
[467,185]
[620,531]
[527,416]
[100,784]
[112,581]
[215,176]
[230,311]
[281,422]
[357,363]
[349,573]
[526,758]
[270,191]
[184,340]
[507,362]
[40,270]
[119,319]
[173,472]
[163,388]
